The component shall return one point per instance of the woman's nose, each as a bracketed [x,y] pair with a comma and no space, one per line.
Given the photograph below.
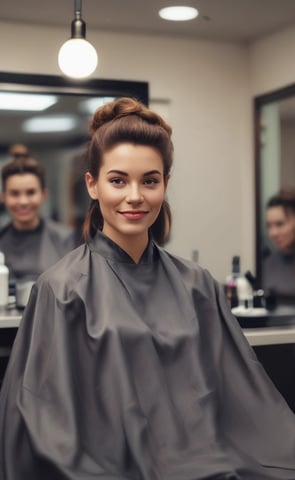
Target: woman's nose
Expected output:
[134,195]
[274,232]
[23,199]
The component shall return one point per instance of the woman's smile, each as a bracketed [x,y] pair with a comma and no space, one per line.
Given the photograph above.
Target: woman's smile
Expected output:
[134,215]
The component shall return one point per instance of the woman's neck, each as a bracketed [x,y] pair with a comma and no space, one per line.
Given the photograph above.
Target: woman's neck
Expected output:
[26,226]
[133,245]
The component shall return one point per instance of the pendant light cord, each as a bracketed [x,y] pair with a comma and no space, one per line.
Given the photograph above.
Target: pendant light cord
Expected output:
[78,9]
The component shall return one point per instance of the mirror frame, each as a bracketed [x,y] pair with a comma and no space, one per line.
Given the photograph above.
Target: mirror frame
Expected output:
[259,102]
[53,83]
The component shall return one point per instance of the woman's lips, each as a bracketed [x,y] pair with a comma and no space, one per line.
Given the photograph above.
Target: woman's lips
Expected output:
[23,211]
[278,242]
[133,215]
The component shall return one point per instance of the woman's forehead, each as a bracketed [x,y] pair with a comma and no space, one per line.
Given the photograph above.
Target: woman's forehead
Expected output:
[20,180]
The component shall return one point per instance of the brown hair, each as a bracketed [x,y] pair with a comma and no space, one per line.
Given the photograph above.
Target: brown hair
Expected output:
[128,120]
[285,198]
[21,165]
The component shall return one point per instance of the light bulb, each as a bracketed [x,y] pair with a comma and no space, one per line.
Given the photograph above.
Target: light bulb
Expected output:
[77,58]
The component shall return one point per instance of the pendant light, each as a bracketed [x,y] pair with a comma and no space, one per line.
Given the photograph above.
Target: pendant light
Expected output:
[77,58]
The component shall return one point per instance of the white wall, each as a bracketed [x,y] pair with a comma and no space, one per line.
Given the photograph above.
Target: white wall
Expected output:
[210,110]
[272,62]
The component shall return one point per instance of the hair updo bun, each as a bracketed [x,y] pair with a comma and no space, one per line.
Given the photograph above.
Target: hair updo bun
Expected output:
[121,108]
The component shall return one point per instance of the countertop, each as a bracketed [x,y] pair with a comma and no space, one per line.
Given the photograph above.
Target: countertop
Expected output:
[276,327]
[10,318]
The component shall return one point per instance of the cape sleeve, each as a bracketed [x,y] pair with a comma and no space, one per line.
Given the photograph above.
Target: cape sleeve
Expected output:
[39,424]
[256,422]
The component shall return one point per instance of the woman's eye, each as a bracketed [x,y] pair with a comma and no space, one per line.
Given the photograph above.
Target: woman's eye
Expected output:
[117,181]
[150,181]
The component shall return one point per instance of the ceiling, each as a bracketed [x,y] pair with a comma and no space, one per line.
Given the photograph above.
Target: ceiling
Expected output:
[231,20]
[241,21]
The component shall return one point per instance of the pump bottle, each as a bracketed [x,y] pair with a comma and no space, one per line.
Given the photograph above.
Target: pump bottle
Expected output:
[231,283]
[238,289]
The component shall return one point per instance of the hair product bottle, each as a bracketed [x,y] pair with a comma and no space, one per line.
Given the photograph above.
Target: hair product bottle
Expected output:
[4,282]
[231,283]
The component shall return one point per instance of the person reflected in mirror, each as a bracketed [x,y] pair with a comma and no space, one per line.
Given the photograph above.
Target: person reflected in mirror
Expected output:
[29,242]
[128,363]
[17,150]
[278,267]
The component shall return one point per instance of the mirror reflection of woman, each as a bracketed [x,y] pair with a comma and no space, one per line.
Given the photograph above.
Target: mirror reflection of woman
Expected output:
[29,242]
[279,261]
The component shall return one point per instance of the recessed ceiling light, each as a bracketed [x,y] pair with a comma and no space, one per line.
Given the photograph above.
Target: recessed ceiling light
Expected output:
[26,101]
[178,13]
[53,123]
[91,104]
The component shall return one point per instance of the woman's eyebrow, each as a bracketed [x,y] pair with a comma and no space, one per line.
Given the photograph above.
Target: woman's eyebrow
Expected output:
[152,172]
[118,172]
[146,174]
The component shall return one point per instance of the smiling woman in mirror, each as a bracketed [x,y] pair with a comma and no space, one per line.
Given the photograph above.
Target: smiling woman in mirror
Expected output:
[30,243]
[279,261]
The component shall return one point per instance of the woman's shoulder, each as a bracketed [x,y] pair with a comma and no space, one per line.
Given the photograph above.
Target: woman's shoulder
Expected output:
[66,272]
[195,275]
[58,228]
[63,236]
[277,259]
[182,262]
[5,229]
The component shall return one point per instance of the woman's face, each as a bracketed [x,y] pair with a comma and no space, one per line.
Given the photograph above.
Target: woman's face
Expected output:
[130,189]
[23,196]
[281,228]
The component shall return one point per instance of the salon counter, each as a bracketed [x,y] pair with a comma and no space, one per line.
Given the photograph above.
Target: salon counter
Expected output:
[276,327]
[268,327]
[10,319]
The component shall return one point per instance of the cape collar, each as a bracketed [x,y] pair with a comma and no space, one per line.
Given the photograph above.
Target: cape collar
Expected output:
[111,250]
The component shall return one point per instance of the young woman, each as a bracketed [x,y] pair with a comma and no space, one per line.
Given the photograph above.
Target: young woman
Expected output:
[30,244]
[128,363]
[279,263]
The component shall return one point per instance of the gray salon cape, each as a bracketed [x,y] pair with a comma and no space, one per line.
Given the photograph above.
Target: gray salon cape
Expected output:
[28,253]
[278,274]
[140,372]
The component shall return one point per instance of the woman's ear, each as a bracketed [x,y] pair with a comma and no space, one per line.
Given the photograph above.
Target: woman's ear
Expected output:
[91,185]
[166,181]
[45,193]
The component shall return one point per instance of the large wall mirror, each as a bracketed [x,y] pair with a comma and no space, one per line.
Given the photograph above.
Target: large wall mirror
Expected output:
[275,169]
[50,116]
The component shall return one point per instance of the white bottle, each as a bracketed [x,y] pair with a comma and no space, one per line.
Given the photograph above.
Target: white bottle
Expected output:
[4,282]
[245,292]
